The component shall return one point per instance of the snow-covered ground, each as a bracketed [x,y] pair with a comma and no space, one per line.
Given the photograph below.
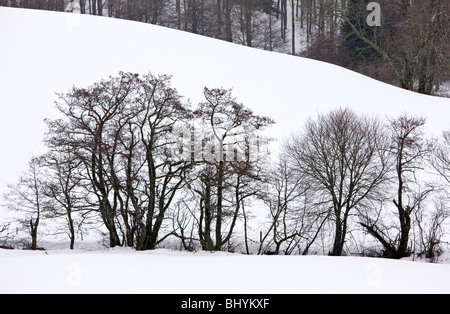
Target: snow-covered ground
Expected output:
[168,272]
[43,53]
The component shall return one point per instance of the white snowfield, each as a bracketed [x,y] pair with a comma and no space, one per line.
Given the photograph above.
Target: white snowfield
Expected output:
[44,53]
[125,271]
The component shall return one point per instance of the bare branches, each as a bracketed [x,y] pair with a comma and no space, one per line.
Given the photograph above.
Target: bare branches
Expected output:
[408,150]
[29,200]
[409,41]
[343,158]
[223,183]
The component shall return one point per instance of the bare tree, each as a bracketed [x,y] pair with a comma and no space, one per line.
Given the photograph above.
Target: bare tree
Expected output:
[117,131]
[431,230]
[28,199]
[295,220]
[155,177]
[408,149]
[185,221]
[64,188]
[226,180]
[5,235]
[343,158]
[441,158]
[93,120]
[431,235]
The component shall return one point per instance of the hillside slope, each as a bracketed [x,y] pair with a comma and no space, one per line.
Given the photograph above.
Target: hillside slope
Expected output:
[44,53]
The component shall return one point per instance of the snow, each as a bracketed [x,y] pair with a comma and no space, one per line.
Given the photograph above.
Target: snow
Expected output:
[167,272]
[44,53]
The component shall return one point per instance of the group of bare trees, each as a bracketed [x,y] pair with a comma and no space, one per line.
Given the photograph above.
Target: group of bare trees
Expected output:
[344,170]
[113,154]
[130,158]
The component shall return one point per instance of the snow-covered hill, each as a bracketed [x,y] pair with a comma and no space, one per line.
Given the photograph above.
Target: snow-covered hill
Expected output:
[44,53]
[168,272]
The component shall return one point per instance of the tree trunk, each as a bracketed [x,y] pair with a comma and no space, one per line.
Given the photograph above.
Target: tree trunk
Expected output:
[228,31]
[206,217]
[293,26]
[114,239]
[219,19]
[389,250]
[405,227]
[71,229]
[83,6]
[245,231]
[219,213]
[403,213]
[100,8]
[178,9]
[33,233]
[338,244]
